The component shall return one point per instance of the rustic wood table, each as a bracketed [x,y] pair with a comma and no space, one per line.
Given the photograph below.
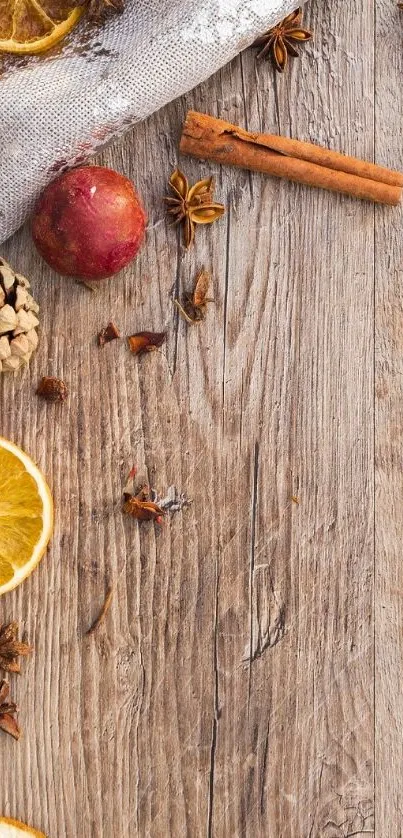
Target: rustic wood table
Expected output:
[247,680]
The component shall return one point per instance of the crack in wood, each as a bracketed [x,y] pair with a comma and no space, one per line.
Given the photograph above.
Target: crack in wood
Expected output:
[252,561]
[217,713]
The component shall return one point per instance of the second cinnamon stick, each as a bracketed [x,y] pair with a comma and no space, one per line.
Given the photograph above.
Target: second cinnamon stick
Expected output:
[209,138]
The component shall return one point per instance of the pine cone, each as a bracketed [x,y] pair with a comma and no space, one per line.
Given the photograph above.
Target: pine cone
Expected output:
[18,320]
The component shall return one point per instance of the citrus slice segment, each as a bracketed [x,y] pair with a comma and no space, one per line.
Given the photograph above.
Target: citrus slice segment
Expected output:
[28,27]
[10,828]
[26,516]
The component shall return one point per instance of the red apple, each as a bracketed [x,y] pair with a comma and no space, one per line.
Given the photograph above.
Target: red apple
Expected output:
[89,223]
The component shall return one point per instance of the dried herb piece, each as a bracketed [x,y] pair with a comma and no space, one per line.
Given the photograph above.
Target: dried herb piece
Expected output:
[110,332]
[104,610]
[8,711]
[11,648]
[52,389]
[279,41]
[99,10]
[192,205]
[193,306]
[146,341]
[137,503]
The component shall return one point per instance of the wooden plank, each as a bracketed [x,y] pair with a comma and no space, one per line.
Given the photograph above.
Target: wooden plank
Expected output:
[230,689]
[294,744]
[388,419]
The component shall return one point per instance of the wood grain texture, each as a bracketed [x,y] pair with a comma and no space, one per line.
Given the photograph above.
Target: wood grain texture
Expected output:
[388,419]
[230,689]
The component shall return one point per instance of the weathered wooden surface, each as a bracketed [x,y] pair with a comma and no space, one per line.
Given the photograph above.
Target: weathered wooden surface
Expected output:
[250,666]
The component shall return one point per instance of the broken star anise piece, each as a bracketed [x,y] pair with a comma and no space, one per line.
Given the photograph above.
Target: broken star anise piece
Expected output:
[110,332]
[192,205]
[193,306]
[8,711]
[98,10]
[137,503]
[146,342]
[279,42]
[11,648]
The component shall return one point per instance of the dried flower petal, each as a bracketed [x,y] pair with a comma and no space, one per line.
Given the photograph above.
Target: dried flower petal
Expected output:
[146,341]
[109,333]
[11,648]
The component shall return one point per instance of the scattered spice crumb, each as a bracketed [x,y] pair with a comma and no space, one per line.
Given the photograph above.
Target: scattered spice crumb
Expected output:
[11,648]
[295,499]
[194,305]
[145,504]
[52,389]
[173,501]
[146,342]
[109,333]
[102,614]
[8,711]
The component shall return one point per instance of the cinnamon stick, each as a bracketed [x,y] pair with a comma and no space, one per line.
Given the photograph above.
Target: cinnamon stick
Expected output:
[214,139]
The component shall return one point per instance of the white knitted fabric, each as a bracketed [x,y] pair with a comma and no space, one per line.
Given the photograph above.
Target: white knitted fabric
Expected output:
[58,109]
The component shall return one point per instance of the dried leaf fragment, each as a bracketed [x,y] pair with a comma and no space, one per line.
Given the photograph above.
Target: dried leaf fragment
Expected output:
[11,648]
[109,333]
[146,342]
[278,42]
[52,389]
[192,205]
[8,711]
[193,306]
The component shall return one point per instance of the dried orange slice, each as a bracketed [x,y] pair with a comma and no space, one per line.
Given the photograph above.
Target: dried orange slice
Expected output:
[26,516]
[10,828]
[31,26]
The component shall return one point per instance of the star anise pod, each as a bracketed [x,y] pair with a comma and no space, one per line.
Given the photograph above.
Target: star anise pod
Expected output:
[11,648]
[98,10]
[279,41]
[192,205]
[8,711]
[193,306]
